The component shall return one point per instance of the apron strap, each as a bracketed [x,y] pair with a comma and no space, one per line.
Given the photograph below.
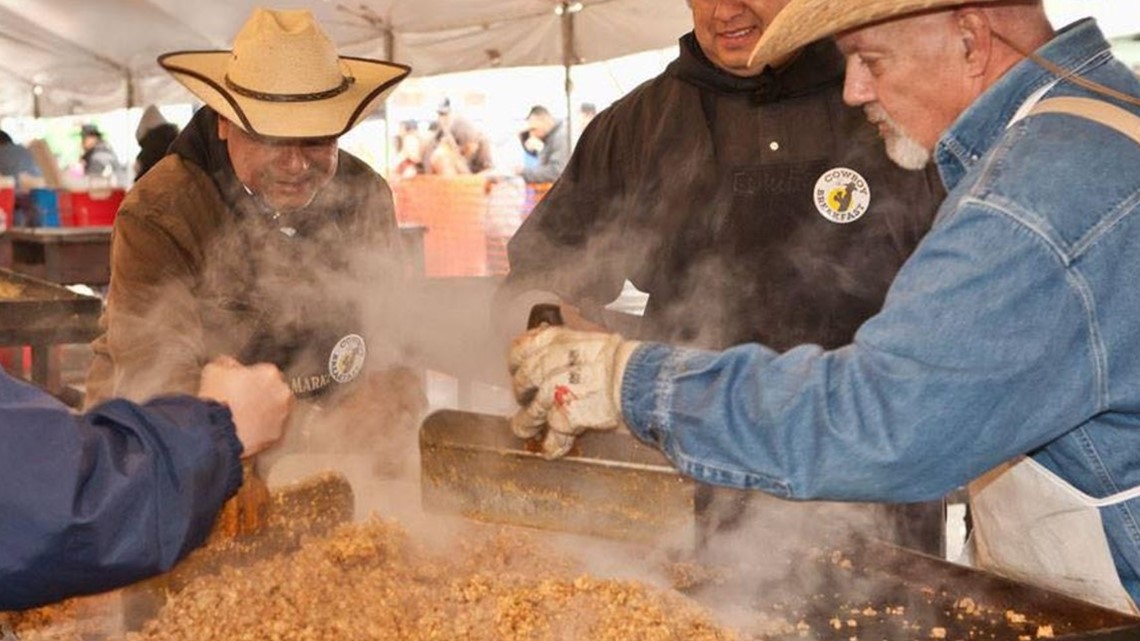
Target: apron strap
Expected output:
[1108,501]
[1098,111]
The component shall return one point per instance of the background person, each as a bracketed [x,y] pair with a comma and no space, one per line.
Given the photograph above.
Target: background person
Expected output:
[555,149]
[124,491]
[1005,352]
[98,159]
[154,135]
[587,111]
[16,159]
[409,150]
[460,149]
[700,188]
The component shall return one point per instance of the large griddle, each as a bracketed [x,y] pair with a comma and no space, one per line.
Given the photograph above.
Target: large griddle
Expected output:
[614,487]
[35,312]
[866,582]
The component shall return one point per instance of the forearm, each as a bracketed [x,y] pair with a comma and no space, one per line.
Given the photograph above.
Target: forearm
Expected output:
[752,419]
[99,500]
[935,391]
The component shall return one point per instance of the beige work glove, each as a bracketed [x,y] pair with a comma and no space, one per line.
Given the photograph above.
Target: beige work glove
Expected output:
[567,382]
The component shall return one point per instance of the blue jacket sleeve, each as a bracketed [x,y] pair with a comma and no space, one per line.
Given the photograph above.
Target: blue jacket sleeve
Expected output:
[95,501]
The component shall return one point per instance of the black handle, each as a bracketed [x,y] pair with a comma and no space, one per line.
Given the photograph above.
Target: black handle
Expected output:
[548,313]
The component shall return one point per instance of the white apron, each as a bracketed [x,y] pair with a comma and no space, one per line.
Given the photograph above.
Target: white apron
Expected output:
[1030,524]
[1033,526]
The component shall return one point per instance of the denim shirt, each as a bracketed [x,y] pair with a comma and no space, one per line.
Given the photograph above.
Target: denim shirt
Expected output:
[1013,329]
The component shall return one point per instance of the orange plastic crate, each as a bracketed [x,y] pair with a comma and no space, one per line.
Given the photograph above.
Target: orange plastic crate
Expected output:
[453,211]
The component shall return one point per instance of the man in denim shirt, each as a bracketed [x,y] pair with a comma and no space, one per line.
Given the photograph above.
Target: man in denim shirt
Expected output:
[1006,353]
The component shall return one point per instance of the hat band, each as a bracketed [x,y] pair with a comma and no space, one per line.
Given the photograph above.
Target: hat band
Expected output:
[345,83]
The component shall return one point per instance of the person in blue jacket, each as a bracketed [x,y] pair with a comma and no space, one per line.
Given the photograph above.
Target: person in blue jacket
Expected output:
[90,502]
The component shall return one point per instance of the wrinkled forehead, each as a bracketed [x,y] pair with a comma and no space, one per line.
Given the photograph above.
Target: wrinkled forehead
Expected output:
[896,34]
[278,141]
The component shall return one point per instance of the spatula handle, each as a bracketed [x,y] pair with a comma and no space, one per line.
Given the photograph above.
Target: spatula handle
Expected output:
[548,313]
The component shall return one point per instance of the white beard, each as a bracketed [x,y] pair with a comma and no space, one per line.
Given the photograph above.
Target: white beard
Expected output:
[905,151]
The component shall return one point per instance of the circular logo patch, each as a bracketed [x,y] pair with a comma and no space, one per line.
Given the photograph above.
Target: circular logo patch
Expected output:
[347,358]
[842,195]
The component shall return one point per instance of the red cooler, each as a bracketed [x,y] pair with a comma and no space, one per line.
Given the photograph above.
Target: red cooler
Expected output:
[97,207]
[7,201]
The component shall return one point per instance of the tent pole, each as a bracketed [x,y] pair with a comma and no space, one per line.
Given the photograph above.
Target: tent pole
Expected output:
[569,59]
[390,53]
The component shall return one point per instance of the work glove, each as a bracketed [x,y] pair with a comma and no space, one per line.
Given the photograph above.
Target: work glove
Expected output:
[567,382]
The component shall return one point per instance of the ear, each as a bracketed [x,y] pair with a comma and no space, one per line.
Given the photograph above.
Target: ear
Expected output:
[224,128]
[977,39]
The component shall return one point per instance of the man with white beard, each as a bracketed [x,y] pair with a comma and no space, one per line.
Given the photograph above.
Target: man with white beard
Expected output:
[900,148]
[1005,353]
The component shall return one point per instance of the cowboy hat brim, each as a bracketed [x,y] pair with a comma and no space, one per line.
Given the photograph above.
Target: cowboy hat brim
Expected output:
[204,73]
[802,22]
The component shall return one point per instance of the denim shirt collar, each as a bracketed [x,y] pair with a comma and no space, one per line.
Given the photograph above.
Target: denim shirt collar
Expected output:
[985,121]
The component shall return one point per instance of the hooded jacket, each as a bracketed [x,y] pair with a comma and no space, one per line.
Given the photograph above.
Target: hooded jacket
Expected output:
[757,209]
[200,267]
[708,192]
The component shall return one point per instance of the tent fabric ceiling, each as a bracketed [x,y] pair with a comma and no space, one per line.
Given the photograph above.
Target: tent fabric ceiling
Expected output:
[61,57]
[88,56]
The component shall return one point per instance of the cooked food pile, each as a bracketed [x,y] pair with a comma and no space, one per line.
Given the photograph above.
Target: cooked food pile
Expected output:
[371,581]
[312,575]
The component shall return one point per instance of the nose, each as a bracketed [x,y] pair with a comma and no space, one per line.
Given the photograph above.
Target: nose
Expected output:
[292,158]
[857,87]
[728,9]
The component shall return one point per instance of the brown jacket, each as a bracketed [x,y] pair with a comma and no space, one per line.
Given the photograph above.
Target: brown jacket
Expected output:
[199,269]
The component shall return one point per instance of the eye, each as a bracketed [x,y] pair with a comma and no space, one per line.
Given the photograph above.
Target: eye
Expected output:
[873,64]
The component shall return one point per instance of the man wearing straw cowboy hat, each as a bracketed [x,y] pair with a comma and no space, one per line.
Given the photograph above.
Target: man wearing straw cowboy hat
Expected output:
[255,235]
[1006,351]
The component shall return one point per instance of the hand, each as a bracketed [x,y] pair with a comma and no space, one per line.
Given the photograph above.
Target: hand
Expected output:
[568,380]
[257,396]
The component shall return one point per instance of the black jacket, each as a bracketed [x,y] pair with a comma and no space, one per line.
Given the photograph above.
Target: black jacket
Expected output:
[700,188]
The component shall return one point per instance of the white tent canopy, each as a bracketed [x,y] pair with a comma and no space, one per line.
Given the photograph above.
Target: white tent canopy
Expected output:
[61,57]
[1117,18]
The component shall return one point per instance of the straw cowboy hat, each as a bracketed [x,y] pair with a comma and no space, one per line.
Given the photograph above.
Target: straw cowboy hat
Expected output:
[284,78]
[802,22]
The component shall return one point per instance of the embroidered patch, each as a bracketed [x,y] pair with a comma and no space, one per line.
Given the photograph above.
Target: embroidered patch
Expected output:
[842,195]
[347,358]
